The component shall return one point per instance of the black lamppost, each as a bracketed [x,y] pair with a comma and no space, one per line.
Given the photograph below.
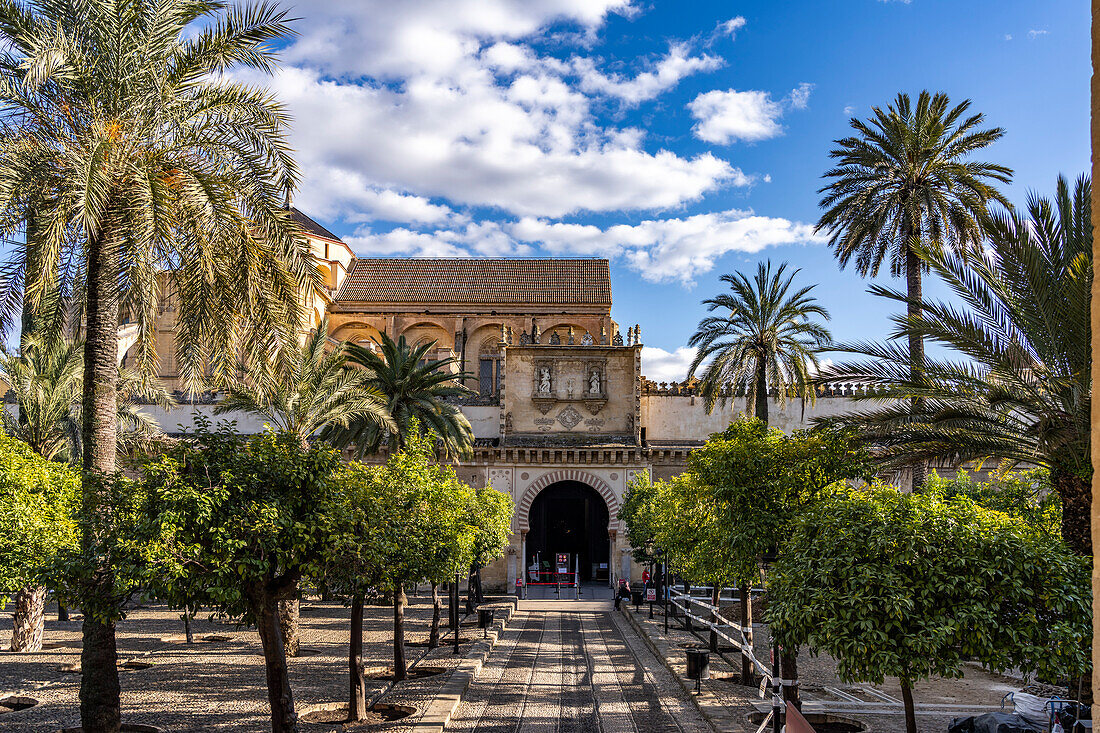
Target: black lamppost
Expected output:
[652,552]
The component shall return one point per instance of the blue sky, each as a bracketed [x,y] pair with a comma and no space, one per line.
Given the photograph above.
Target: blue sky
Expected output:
[680,140]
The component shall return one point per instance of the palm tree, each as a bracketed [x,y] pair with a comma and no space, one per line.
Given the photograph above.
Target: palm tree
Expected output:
[46,379]
[307,390]
[414,389]
[1022,391]
[766,339]
[905,177]
[131,152]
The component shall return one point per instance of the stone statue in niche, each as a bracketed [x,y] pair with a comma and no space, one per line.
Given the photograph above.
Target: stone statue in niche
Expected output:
[569,388]
[594,382]
[587,340]
[544,380]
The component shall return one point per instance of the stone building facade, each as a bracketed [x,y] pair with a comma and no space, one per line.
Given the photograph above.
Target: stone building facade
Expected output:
[563,417]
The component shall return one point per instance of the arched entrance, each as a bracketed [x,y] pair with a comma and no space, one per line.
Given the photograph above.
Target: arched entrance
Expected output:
[570,517]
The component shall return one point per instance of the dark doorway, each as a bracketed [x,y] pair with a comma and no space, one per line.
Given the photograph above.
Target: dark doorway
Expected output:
[570,517]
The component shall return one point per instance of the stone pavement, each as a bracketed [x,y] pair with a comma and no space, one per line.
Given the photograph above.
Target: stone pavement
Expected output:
[572,667]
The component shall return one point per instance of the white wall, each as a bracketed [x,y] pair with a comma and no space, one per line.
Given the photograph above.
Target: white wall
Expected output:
[675,418]
[484,419]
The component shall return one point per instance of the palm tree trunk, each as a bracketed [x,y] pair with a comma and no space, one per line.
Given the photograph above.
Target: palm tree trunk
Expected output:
[437,611]
[400,670]
[761,391]
[913,289]
[28,619]
[1076,495]
[748,674]
[357,701]
[281,699]
[99,688]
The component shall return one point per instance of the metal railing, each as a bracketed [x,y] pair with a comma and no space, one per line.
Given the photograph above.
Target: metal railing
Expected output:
[723,628]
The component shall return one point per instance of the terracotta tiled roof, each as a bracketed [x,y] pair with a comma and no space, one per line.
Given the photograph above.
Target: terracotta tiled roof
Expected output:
[311,227]
[468,280]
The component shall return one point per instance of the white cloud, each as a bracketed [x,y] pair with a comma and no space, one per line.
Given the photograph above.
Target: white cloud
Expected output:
[660,250]
[724,117]
[1008,36]
[731,26]
[674,249]
[1035,33]
[659,365]
[799,97]
[400,105]
[648,84]
[850,110]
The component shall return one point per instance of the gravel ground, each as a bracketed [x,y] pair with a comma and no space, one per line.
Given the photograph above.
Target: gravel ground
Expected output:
[217,686]
[573,671]
[819,683]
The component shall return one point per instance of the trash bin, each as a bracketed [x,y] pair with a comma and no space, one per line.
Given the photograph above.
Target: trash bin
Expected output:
[698,665]
[485,620]
[636,597]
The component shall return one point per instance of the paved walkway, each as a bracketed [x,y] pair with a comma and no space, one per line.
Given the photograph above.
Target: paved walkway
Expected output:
[574,668]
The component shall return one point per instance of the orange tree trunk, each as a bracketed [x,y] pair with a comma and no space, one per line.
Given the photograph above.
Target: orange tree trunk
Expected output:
[283,717]
[357,702]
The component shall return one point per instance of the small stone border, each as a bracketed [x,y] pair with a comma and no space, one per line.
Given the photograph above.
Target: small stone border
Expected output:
[713,711]
[439,711]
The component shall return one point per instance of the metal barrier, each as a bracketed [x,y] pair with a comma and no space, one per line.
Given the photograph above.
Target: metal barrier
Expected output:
[557,581]
[720,625]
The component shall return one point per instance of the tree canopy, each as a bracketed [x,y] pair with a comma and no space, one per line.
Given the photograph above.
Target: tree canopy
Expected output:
[911,585]
[38,500]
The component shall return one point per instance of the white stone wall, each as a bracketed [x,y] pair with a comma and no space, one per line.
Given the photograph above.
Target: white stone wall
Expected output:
[683,418]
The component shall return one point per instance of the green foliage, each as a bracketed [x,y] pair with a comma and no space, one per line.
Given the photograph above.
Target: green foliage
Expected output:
[243,520]
[307,389]
[38,499]
[491,518]
[353,561]
[765,478]
[641,512]
[414,389]
[47,377]
[425,528]
[1021,389]
[1026,495]
[695,533]
[912,585]
[120,550]
[766,340]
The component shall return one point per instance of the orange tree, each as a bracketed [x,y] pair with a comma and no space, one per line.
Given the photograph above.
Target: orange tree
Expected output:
[911,585]
[764,479]
[245,520]
[424,529]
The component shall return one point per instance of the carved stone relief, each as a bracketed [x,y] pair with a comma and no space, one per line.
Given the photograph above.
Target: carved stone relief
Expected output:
[569,417]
